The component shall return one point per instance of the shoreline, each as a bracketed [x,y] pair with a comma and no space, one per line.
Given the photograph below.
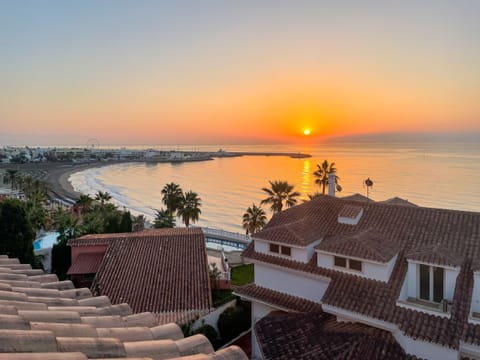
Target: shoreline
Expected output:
[57,175]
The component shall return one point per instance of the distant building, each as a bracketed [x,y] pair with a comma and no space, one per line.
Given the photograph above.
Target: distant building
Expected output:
[346,279]
[163,271]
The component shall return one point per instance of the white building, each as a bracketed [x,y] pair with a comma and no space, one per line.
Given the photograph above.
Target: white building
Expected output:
[343,269]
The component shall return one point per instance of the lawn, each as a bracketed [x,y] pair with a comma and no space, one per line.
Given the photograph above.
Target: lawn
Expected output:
[242,274]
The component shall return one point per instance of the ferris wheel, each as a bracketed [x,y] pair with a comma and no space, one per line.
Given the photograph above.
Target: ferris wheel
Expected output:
[92,143]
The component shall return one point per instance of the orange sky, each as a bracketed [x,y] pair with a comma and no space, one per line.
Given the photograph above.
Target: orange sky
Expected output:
[197,78]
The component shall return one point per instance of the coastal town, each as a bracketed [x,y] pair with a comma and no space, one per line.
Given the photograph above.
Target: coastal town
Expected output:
[239,180]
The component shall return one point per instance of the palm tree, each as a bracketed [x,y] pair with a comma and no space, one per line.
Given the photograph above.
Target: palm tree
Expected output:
[321,175]
[254,219]
[189,209]
[84,203]
[172,197]
[368,183]
[138,223]
[164,219]
[313,196]
[280,193]
[10,177]
[103,197]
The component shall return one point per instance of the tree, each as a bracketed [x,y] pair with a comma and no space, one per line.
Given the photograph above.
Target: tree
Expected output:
[138,223]
[16,235]
[103,197]
[84,203]
[321,175]
[232,322]
[10,177]
[368,184]
[37,214]
[254,219]
[172,197]
[214,274]
[164,219]
[189,209]
[280,194]
[126,222]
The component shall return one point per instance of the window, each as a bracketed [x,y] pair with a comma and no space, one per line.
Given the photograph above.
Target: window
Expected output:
[347,263]
[274,248]
[286,250]
[355,265]
[431,281]
[340,261]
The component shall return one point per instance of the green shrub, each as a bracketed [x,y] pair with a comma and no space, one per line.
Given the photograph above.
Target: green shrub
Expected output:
[232,322]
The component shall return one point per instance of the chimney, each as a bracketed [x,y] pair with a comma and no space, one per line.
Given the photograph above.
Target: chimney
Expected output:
[331,184]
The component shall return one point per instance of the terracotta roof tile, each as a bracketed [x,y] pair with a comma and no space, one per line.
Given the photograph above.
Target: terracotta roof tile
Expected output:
[319,336]
[86,263]
[285,301]
[161,270]
[443,237]
[368,244]
[350,211]
[436,254]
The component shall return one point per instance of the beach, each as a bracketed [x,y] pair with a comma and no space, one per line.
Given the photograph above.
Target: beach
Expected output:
[57,175]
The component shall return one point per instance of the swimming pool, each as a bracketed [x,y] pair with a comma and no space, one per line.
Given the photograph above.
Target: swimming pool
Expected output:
[46,240]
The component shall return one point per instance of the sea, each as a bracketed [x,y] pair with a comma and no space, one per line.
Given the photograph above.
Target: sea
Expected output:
[439,175]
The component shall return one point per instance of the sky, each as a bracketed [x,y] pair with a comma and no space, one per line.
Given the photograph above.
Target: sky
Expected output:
[236,72]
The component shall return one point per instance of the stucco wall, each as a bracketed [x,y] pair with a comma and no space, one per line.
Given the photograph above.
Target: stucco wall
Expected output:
[370,270]
[476,293]
[289,283]
[298,254]
[258,311]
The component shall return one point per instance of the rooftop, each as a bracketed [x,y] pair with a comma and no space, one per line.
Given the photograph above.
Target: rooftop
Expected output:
[160,270]
[42,318]
[435,236]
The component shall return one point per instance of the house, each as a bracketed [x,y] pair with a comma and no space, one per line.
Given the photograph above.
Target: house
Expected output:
[405,278]
[163,271]
[42,318]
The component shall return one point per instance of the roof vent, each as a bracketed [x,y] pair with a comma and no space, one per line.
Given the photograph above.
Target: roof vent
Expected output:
[350,215]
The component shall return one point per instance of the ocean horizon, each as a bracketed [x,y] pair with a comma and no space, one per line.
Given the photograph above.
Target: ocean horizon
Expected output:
[437,174]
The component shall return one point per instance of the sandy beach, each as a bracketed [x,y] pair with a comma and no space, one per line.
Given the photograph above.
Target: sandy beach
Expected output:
[57,174]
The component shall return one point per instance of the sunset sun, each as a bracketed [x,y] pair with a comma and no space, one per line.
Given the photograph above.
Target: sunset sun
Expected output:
[306,132]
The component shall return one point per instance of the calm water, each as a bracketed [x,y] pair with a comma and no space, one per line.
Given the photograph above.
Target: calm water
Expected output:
[443,175]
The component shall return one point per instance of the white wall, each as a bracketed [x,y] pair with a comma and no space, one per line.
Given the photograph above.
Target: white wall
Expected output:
[302,254]
[375,271]
[411,280]
[297,285]
[476,293]
[258,311]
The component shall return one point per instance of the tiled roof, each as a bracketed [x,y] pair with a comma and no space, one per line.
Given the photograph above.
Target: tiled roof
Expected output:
[319,336]
[87,263]
[398,201]
[443,237]
[410,227]
[436,254]
[356,197]
[368,244]
[82,327]
[275,298]
[161,270]
[350,211]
